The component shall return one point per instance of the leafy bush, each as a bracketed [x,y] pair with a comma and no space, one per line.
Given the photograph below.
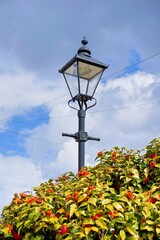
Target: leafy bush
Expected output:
[119,198]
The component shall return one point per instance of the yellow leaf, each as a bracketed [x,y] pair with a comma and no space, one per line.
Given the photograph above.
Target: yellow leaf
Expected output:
[106,201]
[146,212]
[123,198]
[78,214]
[81,198]
[87,230]
[158,230]
[122,235]
[110,207]
[149,222]
[148,228]
[28,236]
[94,229]
[19,224]
[118,206]
[80,235]
[61,210]
[83,204]
[131,231]
[88,222]
[112,190]
[135,172]
[158,165]
[38,228]
[92,201]
[73,209]
[6,230]
[57,226]
[128,179]
[52,219]
[69,238]
[101,223]
[26,223]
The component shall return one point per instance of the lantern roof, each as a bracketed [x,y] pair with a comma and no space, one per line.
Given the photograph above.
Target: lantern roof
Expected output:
[83,55]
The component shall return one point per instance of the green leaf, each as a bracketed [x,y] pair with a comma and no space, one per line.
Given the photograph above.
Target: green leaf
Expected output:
[90,208]
[19,224]
[39,237]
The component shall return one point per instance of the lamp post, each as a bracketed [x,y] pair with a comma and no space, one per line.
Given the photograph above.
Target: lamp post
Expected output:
[82,75]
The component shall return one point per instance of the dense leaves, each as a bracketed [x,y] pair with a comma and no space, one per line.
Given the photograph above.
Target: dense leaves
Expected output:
[119,198]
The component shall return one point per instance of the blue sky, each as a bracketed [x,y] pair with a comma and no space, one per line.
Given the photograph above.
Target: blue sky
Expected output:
[37,38]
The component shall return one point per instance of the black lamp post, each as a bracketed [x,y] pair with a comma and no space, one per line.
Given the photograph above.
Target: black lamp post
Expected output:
[82,75]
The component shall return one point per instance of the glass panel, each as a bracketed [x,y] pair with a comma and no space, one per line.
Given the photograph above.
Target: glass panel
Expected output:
[72,83]
[72,70]
[88,71]
[83,85]
[93,84]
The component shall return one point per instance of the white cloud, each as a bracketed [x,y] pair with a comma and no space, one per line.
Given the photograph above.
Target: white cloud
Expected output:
[134,93]
[66,160]
[129,126]
[17,174]
[133,87]
[21,91]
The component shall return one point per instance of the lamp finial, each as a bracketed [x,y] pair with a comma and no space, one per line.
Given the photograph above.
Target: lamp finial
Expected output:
[84,50]
[84,41]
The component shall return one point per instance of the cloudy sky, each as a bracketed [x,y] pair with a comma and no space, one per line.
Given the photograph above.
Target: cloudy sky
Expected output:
[37,37]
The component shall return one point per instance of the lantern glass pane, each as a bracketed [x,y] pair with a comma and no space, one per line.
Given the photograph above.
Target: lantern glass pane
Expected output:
[72,70]
[72,83]
[83,85]
[93,84]
[88,71]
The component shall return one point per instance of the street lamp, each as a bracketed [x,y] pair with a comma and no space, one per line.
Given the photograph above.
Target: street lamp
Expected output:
[82,75]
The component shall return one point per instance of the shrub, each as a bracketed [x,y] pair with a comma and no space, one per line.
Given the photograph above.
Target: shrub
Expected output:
[119,198]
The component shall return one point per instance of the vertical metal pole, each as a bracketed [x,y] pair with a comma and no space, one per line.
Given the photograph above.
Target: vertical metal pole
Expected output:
[81,141]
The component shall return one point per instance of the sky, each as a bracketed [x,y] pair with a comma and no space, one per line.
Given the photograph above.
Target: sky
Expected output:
[37,37]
